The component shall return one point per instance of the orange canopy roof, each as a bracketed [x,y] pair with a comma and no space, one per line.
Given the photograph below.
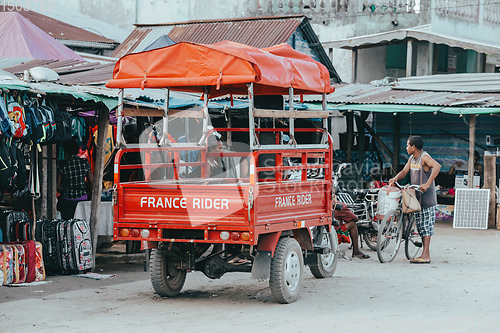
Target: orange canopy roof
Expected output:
[225,67]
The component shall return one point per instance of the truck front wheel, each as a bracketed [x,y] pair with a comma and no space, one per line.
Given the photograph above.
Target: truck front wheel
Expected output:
[287,267]
[166,278]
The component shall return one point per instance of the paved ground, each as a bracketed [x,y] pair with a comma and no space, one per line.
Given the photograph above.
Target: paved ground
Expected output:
[457,292]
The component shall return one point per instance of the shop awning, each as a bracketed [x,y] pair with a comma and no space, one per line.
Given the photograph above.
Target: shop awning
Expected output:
[225,67]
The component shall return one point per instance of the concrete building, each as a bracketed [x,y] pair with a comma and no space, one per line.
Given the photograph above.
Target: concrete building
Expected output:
[330,19]
[444,36]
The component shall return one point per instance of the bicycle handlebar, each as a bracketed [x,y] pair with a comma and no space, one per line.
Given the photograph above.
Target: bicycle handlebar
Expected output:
[415,187]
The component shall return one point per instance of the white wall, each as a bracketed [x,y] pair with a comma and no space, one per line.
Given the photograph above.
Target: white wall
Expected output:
[371,64]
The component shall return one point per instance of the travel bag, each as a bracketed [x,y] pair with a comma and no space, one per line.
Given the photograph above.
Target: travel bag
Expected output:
[20,263]
[30,258]
[77,251]
[7,263]
[23,231]
[46,231]
[8,220]
[39,265]
[13,264]
[67,245]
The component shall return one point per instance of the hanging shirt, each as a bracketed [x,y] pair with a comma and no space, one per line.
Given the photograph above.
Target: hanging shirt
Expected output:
[73,171]
[418,177]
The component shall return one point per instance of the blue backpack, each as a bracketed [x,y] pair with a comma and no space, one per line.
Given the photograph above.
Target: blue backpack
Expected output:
[79,129]
[6,125]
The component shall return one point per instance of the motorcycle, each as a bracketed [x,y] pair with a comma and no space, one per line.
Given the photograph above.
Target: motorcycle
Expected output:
[363,203]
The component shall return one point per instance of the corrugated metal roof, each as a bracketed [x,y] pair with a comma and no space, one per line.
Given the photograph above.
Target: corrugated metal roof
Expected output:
[256,32]
[99,74]
[368,94]
[468,82]
[71,72]
[58,29]
[10,62]
[96,58]
[139,39]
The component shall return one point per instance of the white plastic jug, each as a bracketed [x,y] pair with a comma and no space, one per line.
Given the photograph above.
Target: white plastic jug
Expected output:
[388,199]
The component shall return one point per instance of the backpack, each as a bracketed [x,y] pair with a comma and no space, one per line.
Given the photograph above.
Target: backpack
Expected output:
[19,173]
[33,120]
[6,125]
[78,129]
[34,123]
[62,122]
[48,120]
[5,166]
[16,115]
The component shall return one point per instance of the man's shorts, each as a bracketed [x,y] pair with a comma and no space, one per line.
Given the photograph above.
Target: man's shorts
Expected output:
[345,215]
[425,220]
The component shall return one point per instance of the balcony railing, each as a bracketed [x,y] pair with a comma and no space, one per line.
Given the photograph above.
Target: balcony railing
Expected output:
[312,8]
[464,10]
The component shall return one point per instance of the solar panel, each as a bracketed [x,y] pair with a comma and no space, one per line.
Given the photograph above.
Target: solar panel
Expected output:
[471,208]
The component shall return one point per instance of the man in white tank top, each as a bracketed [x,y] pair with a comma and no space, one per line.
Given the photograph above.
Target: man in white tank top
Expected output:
[423,170]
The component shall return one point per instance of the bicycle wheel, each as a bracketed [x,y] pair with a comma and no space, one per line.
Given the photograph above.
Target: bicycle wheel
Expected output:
[389,236]
[413,241]
[370,236]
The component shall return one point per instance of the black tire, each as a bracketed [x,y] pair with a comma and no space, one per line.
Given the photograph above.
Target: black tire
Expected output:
[389,236]
[370,237]
[413,241]
[167,280]
[287,268]
[325,264]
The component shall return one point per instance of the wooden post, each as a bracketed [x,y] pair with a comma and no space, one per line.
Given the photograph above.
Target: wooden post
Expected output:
[44,184]
[102,131]
[489,182]
[361,146]
[472,143]
[350,134]
[51,181]
[396,145]
[498,218]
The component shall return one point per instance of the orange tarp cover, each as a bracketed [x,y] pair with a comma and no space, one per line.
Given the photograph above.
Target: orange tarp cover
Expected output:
[225,67]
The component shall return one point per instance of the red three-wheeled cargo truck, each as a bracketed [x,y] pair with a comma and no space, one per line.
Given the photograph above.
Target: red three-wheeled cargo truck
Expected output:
[265,205]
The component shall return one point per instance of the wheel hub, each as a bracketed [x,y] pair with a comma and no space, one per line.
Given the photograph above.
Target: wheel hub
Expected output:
[292,271]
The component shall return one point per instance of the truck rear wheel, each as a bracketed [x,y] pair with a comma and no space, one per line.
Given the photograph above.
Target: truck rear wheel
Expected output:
[325,264]
[166,278]
[287,268]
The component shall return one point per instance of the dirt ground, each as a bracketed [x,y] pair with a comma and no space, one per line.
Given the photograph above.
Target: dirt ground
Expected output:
[457,292]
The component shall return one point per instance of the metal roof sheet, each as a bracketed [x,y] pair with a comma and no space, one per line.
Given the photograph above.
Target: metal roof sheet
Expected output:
[71,72]
[10,62]
[369,94]
[256,32]
[467,82]
[58,29]
[139,39]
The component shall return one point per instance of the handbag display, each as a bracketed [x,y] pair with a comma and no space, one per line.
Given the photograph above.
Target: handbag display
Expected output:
[410,201]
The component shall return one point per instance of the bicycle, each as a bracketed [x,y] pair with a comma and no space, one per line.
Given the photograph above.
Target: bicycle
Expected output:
[395,227]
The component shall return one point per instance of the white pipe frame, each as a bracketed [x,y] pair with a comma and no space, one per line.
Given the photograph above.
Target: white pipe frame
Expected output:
[204,137]
[166,106]
[291,121]
[119,116]
[251,119]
